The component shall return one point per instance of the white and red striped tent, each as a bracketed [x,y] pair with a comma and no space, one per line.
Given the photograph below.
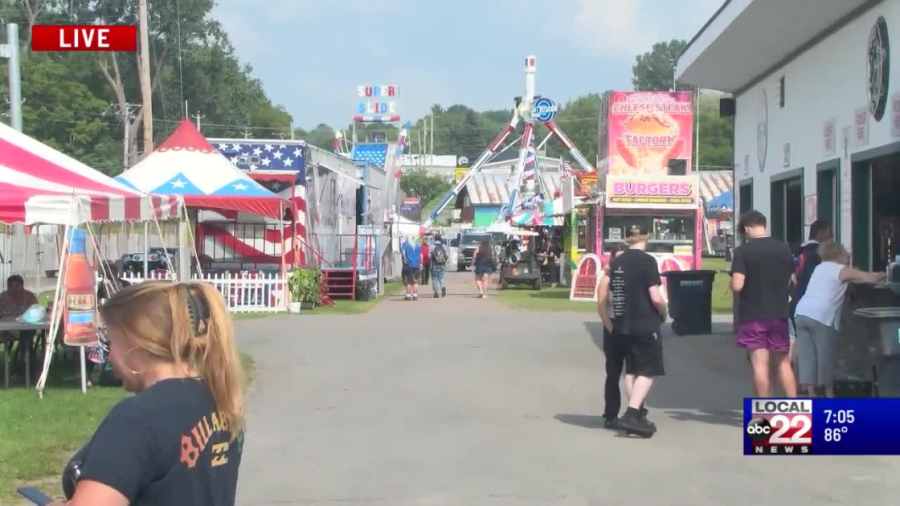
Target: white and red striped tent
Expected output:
[186,164]
[39,185]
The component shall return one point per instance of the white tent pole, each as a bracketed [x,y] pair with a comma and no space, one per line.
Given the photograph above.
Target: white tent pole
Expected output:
[55,314]
[37,258]
[146,251]
[81,353]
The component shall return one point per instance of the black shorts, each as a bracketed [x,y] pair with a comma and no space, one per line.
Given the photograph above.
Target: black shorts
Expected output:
[410,276]
[644,354]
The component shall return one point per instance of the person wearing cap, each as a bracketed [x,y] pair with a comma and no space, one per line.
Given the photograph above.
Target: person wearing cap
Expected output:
[638,310]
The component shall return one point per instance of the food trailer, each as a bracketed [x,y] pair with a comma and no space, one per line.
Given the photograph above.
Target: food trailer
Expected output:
[646,141]
[669,208]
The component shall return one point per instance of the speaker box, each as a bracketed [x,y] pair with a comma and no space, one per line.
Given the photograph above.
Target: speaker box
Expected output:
[677,167]
[726,107]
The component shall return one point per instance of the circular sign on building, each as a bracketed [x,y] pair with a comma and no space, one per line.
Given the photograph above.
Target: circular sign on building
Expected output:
[878,68]
[762,130]
[544,110]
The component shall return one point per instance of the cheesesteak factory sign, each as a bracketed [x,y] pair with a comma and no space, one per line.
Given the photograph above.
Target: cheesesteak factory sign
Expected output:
[878,68]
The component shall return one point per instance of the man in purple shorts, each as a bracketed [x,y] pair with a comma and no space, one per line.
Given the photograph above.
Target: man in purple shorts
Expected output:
[761,276]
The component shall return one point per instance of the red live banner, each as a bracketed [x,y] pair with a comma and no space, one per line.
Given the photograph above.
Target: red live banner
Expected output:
[84,38]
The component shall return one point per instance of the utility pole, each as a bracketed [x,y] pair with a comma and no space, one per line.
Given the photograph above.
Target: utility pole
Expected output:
[246,132]
[425,139]
[421,148]
[146,92]
[432,137]
[199,117]
[10,50]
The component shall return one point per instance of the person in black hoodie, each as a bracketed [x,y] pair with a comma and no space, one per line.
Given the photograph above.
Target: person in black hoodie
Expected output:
[807,261]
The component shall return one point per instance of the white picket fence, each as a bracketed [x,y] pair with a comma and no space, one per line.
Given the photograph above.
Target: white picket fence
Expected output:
[243,293]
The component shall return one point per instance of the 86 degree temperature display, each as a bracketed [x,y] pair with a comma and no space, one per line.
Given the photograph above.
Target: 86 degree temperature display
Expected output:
[821,426]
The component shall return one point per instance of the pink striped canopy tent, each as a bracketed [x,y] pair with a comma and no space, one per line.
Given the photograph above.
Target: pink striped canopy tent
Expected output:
[39,185]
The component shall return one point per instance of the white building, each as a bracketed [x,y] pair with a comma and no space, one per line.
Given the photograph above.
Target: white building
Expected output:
[442,165]
[817,114]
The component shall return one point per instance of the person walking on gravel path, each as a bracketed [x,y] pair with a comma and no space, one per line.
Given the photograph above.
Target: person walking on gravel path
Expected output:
[439,258]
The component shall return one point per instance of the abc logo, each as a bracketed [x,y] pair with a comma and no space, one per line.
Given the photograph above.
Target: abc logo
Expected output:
[759,430]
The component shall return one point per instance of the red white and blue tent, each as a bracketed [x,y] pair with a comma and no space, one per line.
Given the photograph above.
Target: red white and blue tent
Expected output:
[186,164]
[39,185]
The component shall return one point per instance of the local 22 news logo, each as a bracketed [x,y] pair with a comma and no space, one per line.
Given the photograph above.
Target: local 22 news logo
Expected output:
[780,427]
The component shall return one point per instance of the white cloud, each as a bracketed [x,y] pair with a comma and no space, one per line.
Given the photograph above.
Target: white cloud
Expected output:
[621,29]
[293,10]
[275,9]
[420,88]
[244,40]
[612,28]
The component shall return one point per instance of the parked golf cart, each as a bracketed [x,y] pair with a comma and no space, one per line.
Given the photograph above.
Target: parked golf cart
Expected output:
[519,263]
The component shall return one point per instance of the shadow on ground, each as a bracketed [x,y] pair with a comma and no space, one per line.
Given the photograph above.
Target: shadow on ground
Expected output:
[713,358]
[586,421]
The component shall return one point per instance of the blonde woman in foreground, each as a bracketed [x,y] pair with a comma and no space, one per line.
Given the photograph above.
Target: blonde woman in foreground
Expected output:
[178,440]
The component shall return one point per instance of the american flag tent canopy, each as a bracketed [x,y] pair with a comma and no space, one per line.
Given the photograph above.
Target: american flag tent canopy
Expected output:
[186,164]
[39,185]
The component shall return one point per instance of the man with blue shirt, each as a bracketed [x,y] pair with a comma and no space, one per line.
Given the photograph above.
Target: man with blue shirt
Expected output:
[412,263]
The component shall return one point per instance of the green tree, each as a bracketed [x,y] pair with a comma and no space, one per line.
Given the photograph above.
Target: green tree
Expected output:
[322,136]
[655,69]
[715,135]
[91,88]
[418,183]
[471,136]
[579,120]
[65,114]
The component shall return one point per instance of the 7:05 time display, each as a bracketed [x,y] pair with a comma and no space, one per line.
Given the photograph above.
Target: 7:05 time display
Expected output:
[839,416]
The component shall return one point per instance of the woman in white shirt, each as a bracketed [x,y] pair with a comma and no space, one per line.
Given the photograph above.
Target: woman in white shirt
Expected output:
[818,314]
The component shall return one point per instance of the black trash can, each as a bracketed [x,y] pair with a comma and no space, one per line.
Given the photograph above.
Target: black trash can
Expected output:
[690,301]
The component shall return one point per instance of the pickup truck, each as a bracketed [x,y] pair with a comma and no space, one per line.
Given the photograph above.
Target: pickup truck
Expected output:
[467,247]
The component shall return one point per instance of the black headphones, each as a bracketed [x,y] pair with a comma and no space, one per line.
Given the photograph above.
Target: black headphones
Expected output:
[198,310]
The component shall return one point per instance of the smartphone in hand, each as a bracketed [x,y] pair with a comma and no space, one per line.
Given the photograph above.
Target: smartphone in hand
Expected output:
[35,496]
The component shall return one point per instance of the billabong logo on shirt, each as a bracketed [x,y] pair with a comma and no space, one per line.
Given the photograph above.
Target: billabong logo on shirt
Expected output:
[195,442]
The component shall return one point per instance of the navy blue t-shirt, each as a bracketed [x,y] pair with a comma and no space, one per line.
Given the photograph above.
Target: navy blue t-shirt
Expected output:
[164,446]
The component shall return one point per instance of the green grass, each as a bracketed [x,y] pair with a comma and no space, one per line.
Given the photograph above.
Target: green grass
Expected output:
[557,299]
[355,307]
[546,299]
[38,436]
[721,297]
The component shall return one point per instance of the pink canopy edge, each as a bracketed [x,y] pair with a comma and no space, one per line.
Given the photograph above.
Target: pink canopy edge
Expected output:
[40,185]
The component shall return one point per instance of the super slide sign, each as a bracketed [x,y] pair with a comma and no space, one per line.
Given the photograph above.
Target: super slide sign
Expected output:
[377,103]
[652,192]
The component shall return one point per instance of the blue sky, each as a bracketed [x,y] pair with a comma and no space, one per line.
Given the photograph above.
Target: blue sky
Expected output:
[312,54]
